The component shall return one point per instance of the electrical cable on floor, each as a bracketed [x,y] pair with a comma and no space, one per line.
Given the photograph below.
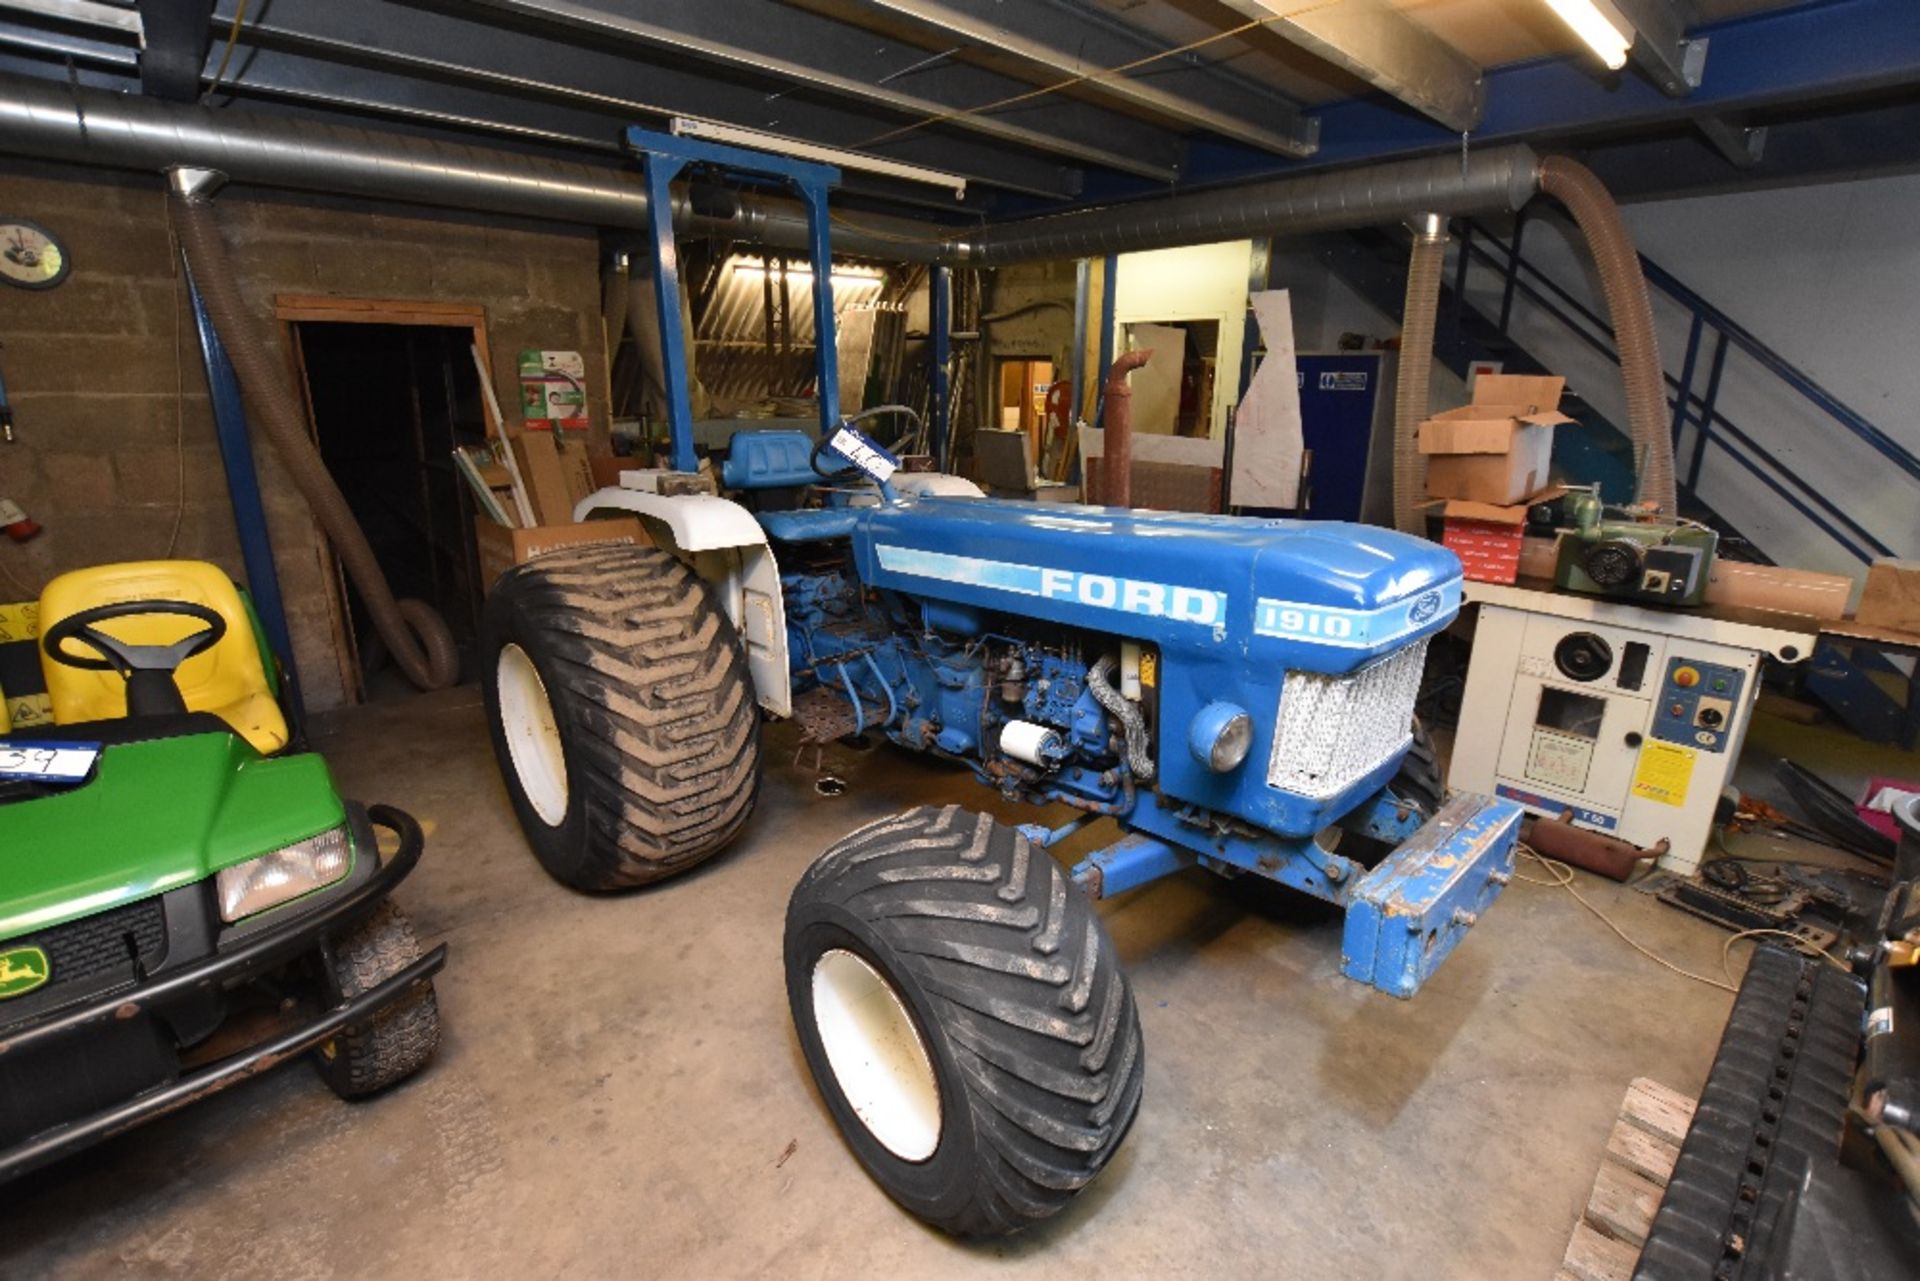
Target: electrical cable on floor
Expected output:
[1562,875]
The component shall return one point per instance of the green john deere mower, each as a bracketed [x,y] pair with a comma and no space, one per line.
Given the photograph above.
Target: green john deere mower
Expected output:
[185,899]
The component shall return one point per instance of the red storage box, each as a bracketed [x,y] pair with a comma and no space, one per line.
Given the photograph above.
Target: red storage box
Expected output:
[1489,550]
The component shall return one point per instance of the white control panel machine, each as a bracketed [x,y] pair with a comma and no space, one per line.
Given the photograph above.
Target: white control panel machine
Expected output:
[1631,718]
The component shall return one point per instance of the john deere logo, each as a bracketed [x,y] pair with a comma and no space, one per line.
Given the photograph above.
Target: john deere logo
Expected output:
[22,969]
[1424,608]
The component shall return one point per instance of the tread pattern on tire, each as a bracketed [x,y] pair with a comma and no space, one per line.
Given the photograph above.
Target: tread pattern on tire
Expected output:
[1032,999]
[655,681]
[399,1039]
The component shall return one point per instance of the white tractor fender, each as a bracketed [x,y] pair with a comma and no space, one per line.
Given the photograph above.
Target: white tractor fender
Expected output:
[725,545]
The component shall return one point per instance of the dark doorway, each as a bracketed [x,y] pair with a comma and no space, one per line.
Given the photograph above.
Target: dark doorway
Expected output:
[389,404]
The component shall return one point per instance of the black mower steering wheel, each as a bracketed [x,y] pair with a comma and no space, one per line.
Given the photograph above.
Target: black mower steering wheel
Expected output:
[147,669]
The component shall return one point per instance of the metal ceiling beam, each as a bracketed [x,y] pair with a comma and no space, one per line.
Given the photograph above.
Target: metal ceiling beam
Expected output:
[803,52]
[387,81]
[624,85]
[84,13]
[1660,45]
[1035,33]
[1372,40]
[1740,145]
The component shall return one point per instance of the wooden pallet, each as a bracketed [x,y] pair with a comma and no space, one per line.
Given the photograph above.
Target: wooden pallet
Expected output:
[1633,1177]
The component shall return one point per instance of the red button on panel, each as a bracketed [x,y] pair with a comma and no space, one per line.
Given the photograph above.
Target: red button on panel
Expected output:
[1676,710]
[1686,677]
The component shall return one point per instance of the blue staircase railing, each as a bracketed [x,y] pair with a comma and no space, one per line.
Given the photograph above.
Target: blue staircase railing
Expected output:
[1696,406]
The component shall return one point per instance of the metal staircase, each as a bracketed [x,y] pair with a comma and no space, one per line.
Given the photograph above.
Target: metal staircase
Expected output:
[1854,685]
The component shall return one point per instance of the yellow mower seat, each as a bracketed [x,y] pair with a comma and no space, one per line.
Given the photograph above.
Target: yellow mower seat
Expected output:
[228,680]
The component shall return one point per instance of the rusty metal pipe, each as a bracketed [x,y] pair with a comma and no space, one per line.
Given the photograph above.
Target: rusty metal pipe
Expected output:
[1594,851]
[1117,465]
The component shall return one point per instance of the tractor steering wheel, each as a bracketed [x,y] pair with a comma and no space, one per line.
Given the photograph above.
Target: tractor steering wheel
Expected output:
[147,669]
[828,473]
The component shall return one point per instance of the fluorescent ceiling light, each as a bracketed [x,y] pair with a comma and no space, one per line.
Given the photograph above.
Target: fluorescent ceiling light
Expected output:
[1601,25]
[714,131]
[801,271]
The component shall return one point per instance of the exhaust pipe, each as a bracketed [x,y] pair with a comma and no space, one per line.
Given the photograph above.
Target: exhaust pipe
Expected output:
[1116,469]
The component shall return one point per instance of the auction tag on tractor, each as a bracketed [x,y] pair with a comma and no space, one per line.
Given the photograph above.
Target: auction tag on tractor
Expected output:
[47,762]
[876,462]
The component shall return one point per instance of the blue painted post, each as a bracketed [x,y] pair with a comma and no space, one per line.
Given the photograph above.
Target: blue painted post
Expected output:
[1082,290]
[939,356]
[666,298]
[243,490]
[1110,279]
[826,364]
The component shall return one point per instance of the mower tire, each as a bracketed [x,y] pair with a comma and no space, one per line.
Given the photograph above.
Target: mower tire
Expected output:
[965,1017]
[622,714]
[399,1038]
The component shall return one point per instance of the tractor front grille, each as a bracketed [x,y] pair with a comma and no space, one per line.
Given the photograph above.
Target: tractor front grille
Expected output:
[1334,730]
[103,944]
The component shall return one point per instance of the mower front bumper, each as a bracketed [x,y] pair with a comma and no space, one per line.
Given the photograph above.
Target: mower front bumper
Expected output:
[257,954]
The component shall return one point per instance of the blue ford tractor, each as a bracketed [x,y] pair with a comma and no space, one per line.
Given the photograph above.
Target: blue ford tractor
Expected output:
[1230,693]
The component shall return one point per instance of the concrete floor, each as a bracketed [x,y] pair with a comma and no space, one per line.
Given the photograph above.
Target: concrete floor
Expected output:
[619,1092]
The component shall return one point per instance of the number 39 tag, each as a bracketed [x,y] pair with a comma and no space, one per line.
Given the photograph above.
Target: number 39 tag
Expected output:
[876,462]
[47,762]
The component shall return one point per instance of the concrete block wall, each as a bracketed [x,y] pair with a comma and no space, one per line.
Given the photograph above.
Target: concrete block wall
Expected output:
[111,399]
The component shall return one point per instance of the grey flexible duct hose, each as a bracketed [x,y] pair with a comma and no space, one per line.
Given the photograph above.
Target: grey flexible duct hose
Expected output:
[1625,287]
[1139,752]
[1413,391]
[415,635]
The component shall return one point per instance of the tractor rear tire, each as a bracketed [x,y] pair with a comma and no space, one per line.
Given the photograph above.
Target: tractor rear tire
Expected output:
[398,1039]
[1419,779]
[622,714]
[965,1017]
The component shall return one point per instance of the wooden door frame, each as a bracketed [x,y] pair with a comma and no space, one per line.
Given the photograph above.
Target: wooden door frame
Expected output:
[291,310]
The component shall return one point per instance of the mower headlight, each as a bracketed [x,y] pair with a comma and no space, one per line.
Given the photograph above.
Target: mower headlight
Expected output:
[287,873]
[1220,736]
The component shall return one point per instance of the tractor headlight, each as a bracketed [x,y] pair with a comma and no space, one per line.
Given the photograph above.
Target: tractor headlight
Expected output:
[287,873]
[1220,736]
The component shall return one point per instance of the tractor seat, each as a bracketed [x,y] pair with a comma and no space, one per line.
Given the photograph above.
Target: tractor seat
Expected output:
[229,680]
[768,460]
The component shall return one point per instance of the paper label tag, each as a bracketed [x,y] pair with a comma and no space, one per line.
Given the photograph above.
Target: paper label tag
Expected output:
[875,462]
[1559,760]
[48,762]
[1664,773]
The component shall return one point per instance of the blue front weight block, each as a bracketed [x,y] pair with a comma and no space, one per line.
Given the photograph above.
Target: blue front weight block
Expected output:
[1409,912]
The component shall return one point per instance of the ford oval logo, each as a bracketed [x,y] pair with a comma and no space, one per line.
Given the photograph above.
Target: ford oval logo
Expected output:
[1424,608]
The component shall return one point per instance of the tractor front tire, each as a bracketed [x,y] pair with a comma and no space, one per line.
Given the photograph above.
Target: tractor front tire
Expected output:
[399,1038]
[965,1017]
[622,714]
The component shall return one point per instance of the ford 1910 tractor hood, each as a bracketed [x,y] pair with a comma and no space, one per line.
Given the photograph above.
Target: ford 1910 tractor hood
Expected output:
[1317,595]
[156,815]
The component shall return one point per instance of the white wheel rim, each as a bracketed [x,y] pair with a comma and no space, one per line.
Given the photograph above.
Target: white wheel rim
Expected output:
[878,1058]
[533,740]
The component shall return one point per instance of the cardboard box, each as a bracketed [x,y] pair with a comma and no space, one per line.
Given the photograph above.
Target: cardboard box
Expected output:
[1497,449]
[1892,596]
[1486,537]
[502,548]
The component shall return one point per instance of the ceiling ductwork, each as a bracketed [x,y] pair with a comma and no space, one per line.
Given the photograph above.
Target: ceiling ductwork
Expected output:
[121,131]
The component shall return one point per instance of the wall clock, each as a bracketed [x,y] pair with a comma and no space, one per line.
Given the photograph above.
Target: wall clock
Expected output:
[30,256]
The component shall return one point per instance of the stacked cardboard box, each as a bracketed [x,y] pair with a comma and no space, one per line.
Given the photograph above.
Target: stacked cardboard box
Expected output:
[1487,463]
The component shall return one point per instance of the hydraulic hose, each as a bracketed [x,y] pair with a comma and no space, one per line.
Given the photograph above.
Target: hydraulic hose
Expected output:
[1139,752]
[1413,390]
[414,633]
[1625,286]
